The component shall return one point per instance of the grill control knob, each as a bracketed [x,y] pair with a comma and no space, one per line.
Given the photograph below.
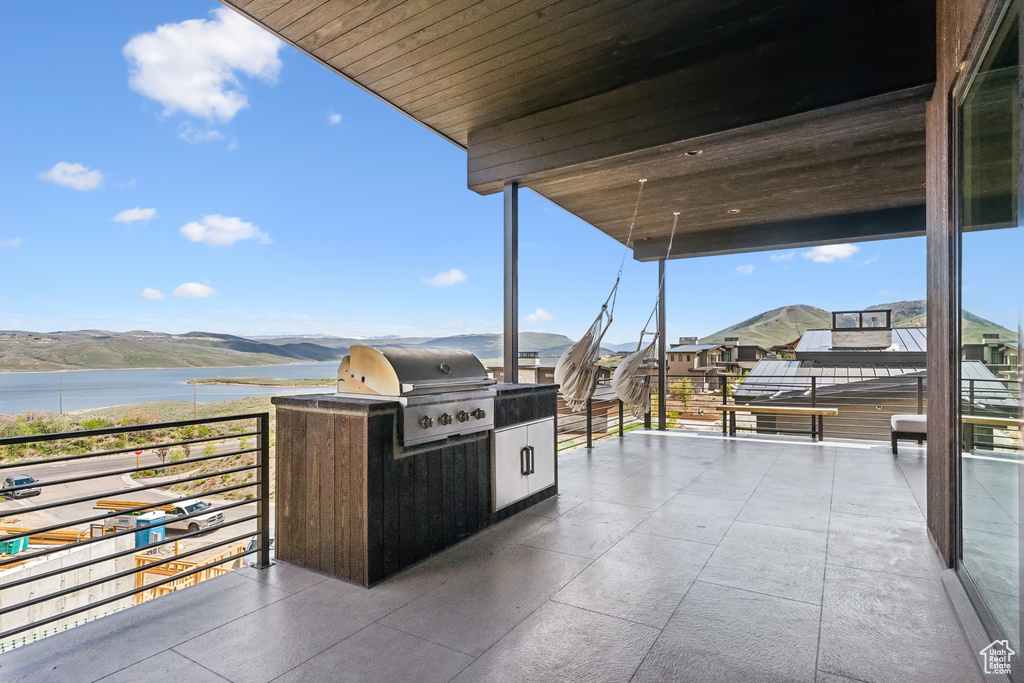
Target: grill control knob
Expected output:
[426,422]
[462,415]
[479,413]
[445,419]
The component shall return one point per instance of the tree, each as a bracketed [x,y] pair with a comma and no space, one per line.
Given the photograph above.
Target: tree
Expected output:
[162,454]
[681,390]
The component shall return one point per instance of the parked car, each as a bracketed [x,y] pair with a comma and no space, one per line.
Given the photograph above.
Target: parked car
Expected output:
[19,480]
[249,554]
[189,507]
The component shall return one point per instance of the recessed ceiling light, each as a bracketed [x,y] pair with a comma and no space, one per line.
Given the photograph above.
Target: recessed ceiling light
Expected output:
[734,210]
[694,152]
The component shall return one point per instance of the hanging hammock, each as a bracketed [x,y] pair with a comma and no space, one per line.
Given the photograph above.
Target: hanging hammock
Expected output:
[576,370]
[632,379]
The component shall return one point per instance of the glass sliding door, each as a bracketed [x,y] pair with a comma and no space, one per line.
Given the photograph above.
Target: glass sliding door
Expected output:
[991,253]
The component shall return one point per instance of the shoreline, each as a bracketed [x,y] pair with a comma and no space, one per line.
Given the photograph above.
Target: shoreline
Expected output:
[191,367]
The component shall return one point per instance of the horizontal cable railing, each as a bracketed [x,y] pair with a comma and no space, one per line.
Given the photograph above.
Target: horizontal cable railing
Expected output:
[864,404]
[604,416]
[78,533]
[864,407]
[990,415]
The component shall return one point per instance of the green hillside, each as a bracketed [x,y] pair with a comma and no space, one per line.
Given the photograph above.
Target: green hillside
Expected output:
[777,326]
[97,349]
[783,325]
[914,314]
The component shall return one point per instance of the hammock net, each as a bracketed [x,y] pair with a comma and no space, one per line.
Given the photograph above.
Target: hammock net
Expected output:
[576,370]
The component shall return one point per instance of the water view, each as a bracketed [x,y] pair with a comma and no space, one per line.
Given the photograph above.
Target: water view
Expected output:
[85,389]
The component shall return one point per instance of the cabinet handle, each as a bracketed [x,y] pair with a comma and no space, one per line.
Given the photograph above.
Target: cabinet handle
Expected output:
[524,460]
[533,461]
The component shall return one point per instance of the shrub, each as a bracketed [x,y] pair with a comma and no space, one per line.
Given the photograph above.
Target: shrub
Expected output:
[97,423]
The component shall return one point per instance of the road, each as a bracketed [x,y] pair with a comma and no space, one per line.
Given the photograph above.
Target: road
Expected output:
[111,486]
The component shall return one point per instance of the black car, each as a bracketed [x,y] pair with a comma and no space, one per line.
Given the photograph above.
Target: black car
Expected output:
[19,480]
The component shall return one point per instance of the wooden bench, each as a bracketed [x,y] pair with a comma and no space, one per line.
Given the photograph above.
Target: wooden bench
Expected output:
[817,416]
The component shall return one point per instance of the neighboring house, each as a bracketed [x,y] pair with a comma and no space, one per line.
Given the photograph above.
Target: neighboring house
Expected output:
[786,350]
[999,356]
[706,363]
[537,369]
[868,370]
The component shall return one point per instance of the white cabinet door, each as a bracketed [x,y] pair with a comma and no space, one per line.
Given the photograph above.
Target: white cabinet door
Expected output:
[541,438]
[510,484]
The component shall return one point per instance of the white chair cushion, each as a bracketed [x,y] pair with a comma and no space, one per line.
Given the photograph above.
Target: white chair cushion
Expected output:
[915,424]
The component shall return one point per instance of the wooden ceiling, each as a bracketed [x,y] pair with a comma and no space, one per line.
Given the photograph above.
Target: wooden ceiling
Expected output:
[802,109]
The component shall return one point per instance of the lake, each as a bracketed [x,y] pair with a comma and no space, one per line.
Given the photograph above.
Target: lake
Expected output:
[85,389]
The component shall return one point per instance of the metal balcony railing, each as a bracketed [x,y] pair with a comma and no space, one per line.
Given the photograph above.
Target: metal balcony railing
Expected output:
[865,403]
[604,417]
[865,406]
[67,561]
[990,415]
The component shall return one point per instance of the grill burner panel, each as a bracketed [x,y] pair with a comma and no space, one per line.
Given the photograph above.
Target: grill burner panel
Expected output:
[443,392]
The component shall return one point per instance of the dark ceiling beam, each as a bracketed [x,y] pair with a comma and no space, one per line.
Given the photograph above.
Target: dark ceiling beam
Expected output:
[906,221]
[857,55]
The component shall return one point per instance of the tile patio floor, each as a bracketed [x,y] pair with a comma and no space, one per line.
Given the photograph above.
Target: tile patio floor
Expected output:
[667,557]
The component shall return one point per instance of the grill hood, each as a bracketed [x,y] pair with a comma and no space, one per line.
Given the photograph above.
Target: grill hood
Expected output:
[402,371]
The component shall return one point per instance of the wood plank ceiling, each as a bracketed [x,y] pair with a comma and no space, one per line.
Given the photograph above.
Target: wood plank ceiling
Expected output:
[802,110]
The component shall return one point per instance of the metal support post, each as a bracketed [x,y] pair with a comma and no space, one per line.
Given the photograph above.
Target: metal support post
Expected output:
[920,395]
[511,329]
[590,423]
[622,430]
[263,523]
[814,391]
[662,392]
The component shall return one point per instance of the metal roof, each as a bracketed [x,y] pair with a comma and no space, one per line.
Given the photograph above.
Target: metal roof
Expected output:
[784,378]
[904,340]
[989,391]
[692,348]
[770,376]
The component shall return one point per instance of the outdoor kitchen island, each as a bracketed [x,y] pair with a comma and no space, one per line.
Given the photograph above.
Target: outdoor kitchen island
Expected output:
[353,501]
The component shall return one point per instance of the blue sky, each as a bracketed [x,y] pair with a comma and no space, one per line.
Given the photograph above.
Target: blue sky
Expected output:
[277,198]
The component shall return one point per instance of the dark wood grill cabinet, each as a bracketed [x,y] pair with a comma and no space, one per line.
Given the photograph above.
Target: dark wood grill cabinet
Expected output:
[417,451]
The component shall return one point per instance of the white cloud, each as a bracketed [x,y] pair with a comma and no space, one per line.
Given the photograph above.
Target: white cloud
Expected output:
[75,176]
[540,315]
[873,259]
[785,256]
[150,294]
[194,290]
[129,216]
[16,242]
[446,278]
[199,136]
[223,231]
[194,66]
[333,119]
[745,270]
[831,253]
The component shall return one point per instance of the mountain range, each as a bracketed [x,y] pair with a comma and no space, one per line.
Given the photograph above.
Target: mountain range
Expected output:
[782,325]
[98,349]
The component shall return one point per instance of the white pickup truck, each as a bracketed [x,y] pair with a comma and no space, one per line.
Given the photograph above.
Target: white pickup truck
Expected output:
[202,521]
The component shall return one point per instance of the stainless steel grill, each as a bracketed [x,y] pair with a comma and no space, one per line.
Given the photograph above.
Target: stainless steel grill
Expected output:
[443,392]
